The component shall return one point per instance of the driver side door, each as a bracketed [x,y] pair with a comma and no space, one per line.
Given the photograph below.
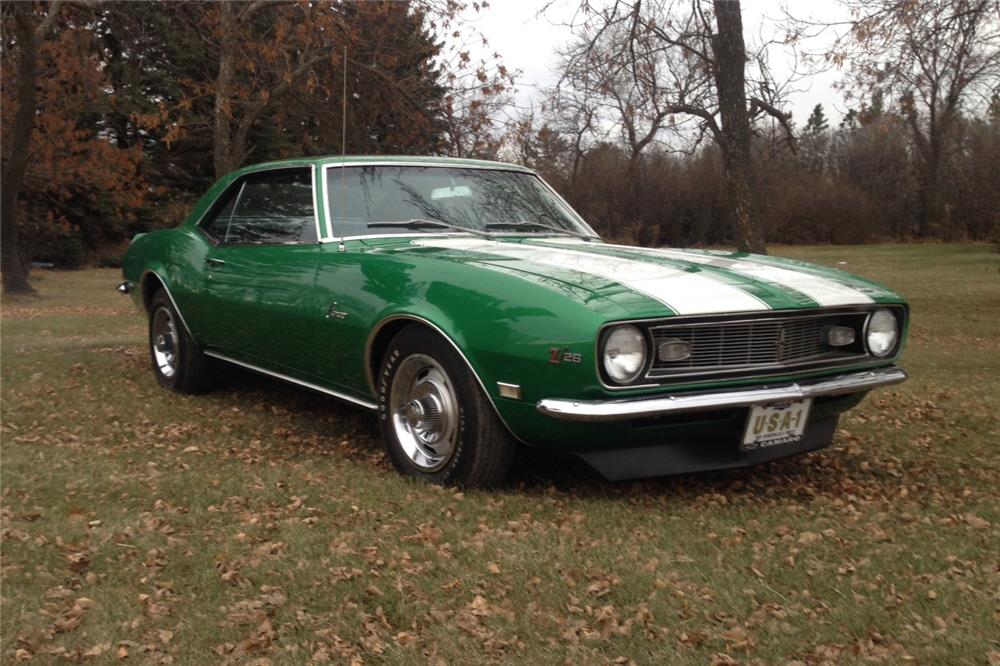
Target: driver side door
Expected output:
[260,270]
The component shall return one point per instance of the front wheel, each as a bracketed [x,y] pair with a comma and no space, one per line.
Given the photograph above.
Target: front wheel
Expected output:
[436,422]
[178,363]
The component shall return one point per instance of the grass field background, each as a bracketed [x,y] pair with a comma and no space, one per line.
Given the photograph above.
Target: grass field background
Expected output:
[262,524]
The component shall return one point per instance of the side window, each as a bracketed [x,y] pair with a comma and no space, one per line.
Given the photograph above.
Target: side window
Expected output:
[273,207]
[217,222]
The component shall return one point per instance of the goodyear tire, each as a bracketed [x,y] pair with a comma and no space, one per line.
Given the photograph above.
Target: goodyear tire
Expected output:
[436,422]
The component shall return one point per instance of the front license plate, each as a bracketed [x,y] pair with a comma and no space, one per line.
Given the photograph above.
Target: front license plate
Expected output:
[775,424]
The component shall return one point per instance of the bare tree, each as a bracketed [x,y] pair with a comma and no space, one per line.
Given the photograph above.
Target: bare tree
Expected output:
[932,61]
[479,90]
[603,93]
[661,65]
[574,112]
[475,106]
[30,30]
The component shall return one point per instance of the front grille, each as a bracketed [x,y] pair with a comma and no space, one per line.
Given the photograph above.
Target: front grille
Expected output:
[751,344]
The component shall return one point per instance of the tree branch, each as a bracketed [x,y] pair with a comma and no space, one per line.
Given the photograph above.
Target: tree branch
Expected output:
[50,18]
[757,105]
[707,116]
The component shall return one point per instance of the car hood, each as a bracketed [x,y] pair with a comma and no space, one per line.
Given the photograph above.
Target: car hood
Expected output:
[664,282]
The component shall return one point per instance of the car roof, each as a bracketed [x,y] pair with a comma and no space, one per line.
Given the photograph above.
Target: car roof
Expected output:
[379,159]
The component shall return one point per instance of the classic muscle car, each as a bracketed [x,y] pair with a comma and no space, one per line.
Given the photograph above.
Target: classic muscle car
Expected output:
[474,310]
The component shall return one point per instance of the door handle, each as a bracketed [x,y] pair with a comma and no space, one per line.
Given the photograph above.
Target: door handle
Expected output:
[215,262]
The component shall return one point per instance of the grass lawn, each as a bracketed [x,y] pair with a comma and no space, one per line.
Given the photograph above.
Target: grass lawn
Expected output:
[261,523]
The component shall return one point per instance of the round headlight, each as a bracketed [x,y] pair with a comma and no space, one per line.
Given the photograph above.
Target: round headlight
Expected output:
[624,353]
[882,332]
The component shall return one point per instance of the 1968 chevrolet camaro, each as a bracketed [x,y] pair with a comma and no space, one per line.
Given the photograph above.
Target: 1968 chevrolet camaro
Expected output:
[473,309]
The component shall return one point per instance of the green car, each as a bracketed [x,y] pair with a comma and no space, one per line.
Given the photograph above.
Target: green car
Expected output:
[474,310]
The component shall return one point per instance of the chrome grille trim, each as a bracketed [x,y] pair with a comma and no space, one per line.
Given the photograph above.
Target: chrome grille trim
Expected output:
[761,343]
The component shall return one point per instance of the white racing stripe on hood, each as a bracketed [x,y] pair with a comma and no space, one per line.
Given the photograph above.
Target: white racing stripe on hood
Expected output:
[824,291]
[683,292]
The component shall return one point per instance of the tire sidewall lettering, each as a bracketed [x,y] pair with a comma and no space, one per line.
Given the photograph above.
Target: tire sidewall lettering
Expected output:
[386,376]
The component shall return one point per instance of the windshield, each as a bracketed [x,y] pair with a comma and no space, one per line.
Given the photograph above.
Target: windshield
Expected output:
[366,200]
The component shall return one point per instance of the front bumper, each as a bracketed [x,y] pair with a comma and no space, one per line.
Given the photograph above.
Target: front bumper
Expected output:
[682,403]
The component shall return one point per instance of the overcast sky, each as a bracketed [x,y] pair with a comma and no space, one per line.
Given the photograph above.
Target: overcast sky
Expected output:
[528,42]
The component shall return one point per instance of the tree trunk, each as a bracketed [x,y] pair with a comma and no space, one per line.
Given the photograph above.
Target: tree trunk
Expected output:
[223,136]
[929,202]
[929,192]
[15,164]
[730,83]
[633,172]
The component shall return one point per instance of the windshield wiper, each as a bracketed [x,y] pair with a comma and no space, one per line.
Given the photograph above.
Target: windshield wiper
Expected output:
[538,225]
[421,223]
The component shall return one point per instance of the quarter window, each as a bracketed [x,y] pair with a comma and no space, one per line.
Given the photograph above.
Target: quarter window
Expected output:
[217,222]
[271,207]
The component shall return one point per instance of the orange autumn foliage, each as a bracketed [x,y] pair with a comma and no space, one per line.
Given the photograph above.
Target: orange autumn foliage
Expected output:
[78,183]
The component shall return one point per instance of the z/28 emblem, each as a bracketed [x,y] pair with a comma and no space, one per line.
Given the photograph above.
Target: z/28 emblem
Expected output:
[558,356]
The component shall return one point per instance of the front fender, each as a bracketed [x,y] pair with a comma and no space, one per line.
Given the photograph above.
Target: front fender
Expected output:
[507,329]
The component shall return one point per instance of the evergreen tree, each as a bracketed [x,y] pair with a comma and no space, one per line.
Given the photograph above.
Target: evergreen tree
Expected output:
[817,122]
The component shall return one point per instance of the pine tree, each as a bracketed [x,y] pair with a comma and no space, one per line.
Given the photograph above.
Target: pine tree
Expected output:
[817,121]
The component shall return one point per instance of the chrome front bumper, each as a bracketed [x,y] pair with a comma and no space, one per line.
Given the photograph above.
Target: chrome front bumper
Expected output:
[682,403]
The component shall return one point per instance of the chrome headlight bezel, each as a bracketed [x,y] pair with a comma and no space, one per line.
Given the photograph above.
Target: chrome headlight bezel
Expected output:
[614,373]
[876,325]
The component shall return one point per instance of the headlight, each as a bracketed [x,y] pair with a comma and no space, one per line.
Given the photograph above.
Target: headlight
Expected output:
[624,353]
[881,333]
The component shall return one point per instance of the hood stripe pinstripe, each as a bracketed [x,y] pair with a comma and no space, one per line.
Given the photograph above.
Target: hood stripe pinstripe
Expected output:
[777,296]
[684,292]
[826,292]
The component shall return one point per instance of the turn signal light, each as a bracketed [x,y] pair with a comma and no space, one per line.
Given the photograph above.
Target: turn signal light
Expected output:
[838,336]
[674,349]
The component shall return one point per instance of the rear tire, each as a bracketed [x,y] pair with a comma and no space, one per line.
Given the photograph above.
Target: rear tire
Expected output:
[177,362]
[437,424]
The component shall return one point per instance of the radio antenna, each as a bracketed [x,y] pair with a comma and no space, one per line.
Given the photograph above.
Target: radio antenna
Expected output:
[343,114]
[343,153]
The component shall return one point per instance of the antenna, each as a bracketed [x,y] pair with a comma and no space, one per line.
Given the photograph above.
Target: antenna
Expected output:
[343,114]
[343,152]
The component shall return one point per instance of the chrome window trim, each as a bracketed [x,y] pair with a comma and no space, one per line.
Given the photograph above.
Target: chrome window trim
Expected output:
[647,325]
[229,222]
[434,234]
[315,186]
[594,235]
[199,224]
[416,318]
[408,234]
[293,380]
[242,179]
[333,238]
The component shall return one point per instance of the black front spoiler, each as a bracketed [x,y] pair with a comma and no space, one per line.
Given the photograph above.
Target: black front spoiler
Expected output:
[645,462]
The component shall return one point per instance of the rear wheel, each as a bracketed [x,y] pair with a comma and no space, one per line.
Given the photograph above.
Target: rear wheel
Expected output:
[178,363]
[436,422]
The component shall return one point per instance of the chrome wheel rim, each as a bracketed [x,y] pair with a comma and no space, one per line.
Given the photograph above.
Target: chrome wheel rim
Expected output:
[424,411]
[165,342]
